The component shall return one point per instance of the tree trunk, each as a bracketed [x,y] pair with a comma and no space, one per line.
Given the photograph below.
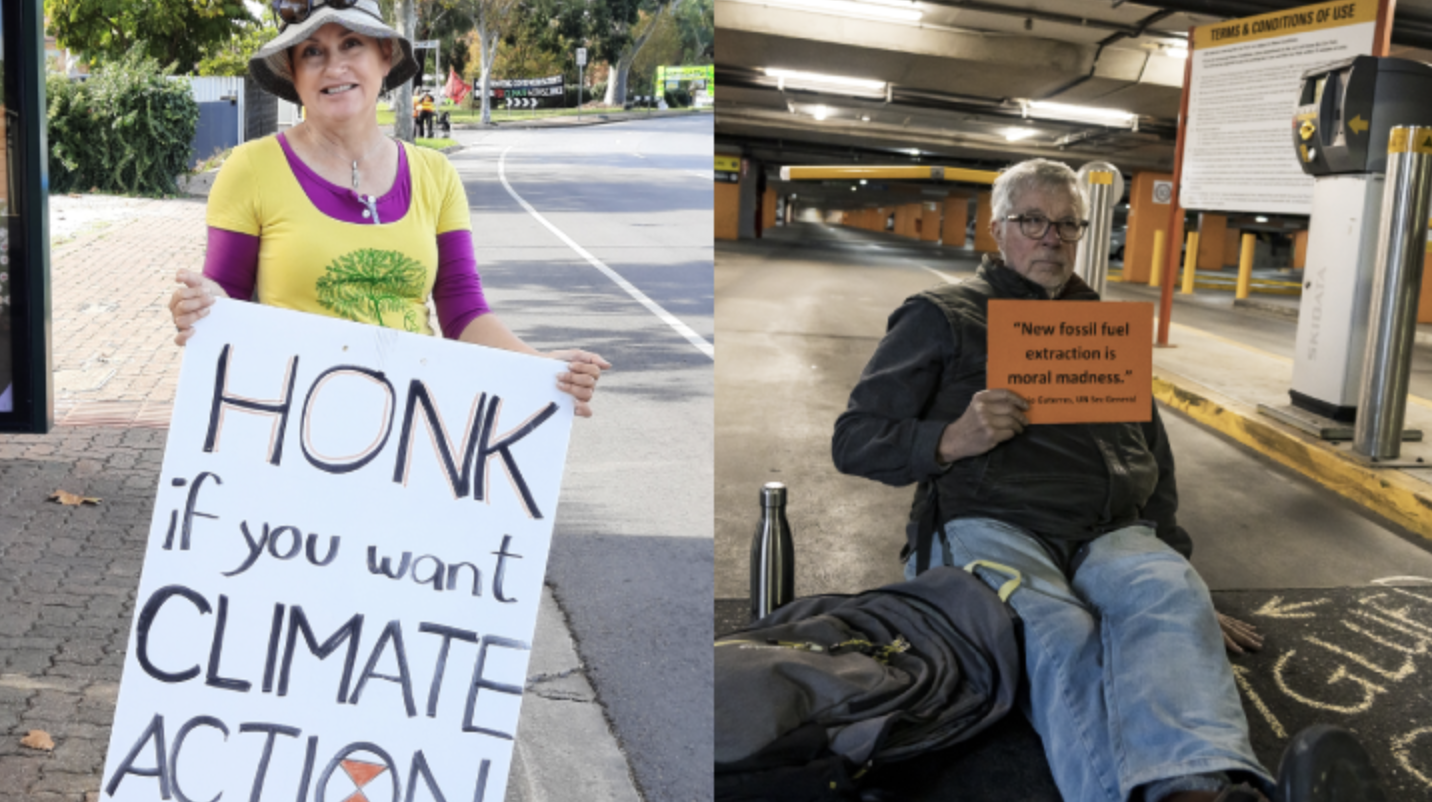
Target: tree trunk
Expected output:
[407,15]
[617,80]
[487,39]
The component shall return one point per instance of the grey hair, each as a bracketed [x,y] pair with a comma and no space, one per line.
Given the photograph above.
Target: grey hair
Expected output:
[1036,174]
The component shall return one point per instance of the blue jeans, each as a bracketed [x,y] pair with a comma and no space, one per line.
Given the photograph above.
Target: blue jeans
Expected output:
[1128,682]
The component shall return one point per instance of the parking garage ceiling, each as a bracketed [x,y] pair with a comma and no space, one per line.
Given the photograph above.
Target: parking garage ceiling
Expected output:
[969,83]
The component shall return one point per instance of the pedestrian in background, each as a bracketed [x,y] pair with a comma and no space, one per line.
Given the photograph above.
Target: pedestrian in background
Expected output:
[425,122]
[295,218]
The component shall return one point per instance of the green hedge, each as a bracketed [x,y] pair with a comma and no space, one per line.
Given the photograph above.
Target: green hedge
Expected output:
[127,130]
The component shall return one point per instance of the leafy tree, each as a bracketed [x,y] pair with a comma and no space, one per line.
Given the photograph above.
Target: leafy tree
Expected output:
[663,47]
[696,21]
[624,38]
[373,282]
[176,32]
[231,58]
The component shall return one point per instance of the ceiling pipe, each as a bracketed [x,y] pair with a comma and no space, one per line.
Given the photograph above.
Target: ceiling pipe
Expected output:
[1137,32]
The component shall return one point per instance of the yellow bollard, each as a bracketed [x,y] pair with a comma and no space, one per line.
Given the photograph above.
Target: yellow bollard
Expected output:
[1190,263]
[1245,266]
[1156,272]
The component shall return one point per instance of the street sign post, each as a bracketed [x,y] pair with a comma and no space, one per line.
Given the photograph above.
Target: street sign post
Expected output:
[581,62]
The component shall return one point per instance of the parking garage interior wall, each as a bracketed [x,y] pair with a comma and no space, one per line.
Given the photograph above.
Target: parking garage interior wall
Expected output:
[1424,303]
[768,210]
[984,240]
[957,218]
[1232,247]
[726,211]
[1146,216]
[746,216]
[930,223]
[1300,249]
[1212,229]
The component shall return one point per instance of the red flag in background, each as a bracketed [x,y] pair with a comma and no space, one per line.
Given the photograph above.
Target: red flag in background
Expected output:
[456,89]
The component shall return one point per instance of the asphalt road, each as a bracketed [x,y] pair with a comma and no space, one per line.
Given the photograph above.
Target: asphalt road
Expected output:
[800,314]
[631,562]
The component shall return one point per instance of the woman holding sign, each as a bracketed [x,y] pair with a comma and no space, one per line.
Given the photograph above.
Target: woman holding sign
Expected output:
[334,218]
[1129,688]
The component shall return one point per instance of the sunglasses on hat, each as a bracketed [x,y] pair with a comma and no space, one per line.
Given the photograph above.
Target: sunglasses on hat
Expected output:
[292,12]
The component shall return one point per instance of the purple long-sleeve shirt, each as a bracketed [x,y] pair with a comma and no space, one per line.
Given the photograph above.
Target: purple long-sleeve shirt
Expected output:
[232,258]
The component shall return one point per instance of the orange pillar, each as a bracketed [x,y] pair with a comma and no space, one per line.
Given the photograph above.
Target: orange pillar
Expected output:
[905,217]
[726,211]
[1146,215]
[1232,247]
[1424,308]
[1300,250]
[930,223]
[1211,230]
[768,211]
[984,241]
[957,219]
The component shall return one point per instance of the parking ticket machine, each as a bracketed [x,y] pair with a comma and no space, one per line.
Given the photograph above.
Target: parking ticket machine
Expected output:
[1340,131]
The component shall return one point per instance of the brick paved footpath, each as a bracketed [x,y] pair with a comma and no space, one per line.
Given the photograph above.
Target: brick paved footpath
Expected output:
[110,284]
[67,583]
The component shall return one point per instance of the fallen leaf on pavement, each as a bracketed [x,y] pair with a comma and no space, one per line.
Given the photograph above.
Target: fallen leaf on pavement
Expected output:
[38,739]
[69,499]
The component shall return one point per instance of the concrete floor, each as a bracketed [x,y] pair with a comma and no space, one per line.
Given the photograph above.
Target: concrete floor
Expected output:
[798,315]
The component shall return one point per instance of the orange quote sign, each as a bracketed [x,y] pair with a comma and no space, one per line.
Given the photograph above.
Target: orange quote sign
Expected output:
[1074,361]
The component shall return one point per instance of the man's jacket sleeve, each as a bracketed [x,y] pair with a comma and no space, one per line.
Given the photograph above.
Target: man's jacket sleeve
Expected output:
[883,433]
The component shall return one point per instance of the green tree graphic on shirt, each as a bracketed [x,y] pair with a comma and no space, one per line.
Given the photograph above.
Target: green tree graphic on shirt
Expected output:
[373,282]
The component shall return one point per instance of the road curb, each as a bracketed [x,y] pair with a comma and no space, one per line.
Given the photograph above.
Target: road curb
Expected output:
[1387,492]
[597,119]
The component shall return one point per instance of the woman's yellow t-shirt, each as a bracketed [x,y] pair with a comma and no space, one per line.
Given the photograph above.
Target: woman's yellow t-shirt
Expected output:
[380,274]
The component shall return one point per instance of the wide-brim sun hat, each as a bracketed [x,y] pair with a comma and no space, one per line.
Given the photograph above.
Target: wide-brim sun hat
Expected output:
[270,65]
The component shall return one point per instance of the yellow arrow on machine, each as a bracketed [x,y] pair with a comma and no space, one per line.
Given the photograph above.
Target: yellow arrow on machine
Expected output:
[1306,129]
[1357,124]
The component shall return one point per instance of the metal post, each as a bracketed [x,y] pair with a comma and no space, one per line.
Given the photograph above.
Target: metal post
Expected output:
[1092,258]
[1401,246]
[1245,266]
[579,92]
[1190,263]
[1158,265]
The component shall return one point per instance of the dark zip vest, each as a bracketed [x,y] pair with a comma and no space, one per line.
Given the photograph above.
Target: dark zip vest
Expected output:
[1060,481]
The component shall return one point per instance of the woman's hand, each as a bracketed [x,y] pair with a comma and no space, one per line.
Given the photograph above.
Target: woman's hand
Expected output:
[190,302]
[1239,636]
[584,368]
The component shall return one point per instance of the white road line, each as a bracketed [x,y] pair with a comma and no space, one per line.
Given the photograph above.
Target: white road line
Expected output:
[945,277]
[655,308]
[705,174]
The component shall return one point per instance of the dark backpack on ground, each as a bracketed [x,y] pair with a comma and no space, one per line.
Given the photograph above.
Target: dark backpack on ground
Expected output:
[814,694]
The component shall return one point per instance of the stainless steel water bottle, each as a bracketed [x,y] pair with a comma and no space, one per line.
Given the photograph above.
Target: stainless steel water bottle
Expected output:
[773,557]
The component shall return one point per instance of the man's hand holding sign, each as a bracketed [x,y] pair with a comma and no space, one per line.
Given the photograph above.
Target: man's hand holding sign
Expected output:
[344,566]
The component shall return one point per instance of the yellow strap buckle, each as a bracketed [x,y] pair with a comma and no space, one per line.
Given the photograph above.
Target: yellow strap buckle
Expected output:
[1005,590]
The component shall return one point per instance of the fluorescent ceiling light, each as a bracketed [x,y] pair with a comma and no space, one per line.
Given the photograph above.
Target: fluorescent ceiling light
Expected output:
[1176,52]
[1016,134]
[902,10]
[865,118]
[820,112]
[835,83]
[1260,219]
[862,182]
[1065,111]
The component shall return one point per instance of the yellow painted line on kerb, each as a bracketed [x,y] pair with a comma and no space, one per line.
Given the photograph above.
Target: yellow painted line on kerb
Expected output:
[1385,491]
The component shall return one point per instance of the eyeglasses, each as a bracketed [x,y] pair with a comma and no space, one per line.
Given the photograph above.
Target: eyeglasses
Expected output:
[292,12]
[1035,226]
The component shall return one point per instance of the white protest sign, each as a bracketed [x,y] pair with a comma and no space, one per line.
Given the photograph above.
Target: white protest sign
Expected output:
[344,566]
[1239,155]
